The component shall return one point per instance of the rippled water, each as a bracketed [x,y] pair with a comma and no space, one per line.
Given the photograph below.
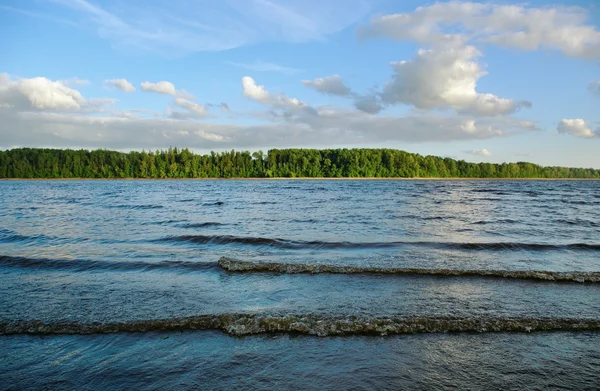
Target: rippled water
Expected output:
[123,255]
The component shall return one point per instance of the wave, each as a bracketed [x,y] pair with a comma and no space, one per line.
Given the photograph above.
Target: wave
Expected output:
[201,225]
[499,221]
[161,222]
[317,244]
[235,265]
[415,217]
[311,324]
[141,207]
[578,222]
[490,191]
[90,265]
[576,202]
[8,236]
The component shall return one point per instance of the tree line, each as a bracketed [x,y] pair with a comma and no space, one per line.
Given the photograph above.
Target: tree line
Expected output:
[287,163]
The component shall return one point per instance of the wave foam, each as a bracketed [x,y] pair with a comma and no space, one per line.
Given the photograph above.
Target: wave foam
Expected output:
[235,265]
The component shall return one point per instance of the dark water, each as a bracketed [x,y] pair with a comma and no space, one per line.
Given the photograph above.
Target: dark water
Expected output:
[345,260]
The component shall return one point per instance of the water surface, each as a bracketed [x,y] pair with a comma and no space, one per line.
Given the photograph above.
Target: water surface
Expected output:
[92,252]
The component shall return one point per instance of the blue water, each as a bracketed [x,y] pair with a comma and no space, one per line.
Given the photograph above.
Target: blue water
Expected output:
[84,252]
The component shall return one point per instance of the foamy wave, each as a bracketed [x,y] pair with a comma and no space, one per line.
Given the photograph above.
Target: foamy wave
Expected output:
[310,324]
[235,265]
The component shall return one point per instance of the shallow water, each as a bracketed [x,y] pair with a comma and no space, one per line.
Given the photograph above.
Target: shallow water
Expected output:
[89,252]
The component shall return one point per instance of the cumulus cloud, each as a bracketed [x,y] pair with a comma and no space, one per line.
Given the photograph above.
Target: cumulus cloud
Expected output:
[121,84]
[162,87]
[575,127]
[479,152]
[165,88]
[445,77]
[260,94]
[193,109]
[332,85]
[513,26]
[39,93]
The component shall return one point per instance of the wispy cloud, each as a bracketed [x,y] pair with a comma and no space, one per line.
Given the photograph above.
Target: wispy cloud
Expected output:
[39,15]
[264,66]
[177,28]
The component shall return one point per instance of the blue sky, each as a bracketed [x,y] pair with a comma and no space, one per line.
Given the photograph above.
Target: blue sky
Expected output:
[478,81]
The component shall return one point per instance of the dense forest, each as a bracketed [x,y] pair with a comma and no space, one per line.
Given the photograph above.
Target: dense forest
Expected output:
[290,163]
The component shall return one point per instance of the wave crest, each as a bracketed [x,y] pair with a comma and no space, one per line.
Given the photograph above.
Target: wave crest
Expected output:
[317,244]
[235,265]
[310,324]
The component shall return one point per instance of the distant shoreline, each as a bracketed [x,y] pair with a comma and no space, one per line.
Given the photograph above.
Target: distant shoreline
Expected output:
[301,179]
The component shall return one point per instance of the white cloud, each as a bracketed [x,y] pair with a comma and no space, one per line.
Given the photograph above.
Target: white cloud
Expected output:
[121,84]
[254,91]
[514,26]
[479,152]
[260,94]
[575,127]
[594,87]
[162,87]
[180,27]
[39,93]
[165,88]
[262,66]
[332,85]
[445,77]
[194,108]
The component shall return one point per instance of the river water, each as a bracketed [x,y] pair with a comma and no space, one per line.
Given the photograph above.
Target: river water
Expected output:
[316,284]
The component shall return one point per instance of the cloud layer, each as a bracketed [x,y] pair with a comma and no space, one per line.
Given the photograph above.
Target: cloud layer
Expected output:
[49,114]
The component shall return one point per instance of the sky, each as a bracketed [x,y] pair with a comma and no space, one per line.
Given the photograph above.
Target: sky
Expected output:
[481,81]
